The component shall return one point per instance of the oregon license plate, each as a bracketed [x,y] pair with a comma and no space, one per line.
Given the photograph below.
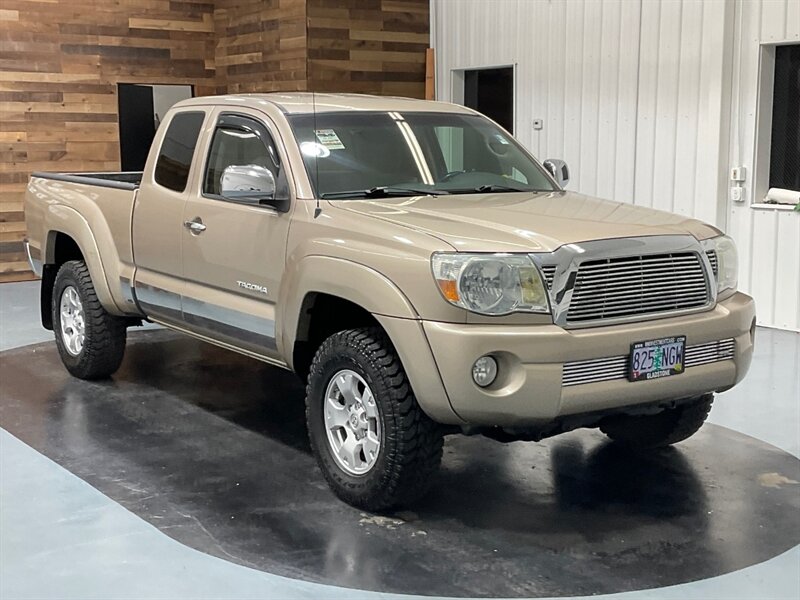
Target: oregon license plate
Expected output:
[657,358]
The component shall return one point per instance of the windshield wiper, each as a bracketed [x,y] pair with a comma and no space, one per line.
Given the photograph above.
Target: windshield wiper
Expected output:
[384,191]
[495,187]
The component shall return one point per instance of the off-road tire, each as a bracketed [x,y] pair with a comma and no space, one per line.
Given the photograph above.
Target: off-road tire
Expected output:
[668,427]
[411,444]
[105,334]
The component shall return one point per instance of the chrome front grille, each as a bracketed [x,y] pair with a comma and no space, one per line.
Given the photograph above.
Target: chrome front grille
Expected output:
[712,258]
[632,286]
[549,271]
[616,367]
[702,354]
[592,371]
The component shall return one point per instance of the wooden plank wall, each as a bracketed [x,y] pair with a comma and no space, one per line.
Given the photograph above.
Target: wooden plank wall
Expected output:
[368,46]
[59,66]
[261,46]
[61,60]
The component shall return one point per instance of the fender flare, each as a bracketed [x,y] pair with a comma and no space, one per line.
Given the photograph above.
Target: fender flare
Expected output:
[73,224]
[343,278]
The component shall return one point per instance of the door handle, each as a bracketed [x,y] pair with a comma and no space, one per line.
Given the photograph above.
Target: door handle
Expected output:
[195,226]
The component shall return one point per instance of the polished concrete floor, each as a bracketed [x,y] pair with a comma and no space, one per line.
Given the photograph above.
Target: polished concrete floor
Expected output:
[177,464]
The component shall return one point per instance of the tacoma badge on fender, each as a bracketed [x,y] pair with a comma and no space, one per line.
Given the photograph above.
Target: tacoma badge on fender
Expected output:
[252,286]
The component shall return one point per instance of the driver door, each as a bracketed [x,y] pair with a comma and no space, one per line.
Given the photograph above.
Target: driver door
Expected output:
[233,241]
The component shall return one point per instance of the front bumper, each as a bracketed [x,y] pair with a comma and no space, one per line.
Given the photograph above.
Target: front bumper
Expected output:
[529,388]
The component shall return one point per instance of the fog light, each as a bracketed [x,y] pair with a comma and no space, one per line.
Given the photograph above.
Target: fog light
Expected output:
[484,371]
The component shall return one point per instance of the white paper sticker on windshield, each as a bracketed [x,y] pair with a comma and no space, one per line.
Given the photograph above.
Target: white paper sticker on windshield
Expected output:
[329,139]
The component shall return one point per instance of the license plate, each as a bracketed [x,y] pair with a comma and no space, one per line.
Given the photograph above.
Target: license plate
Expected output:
[657,358]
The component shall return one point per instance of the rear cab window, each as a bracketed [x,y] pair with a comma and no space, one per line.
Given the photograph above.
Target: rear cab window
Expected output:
[177,150]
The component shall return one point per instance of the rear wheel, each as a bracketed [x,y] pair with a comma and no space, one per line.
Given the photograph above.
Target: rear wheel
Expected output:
[668,427]
[375,446]
[90,341]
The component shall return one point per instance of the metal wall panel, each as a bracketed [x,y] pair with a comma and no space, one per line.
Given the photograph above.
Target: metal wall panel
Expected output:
[648,102]
[681,133]
[768,239]
[575,70]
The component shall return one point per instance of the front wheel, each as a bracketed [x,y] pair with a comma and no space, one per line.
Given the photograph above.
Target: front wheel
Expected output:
[91,341]
[375,446]
[668,427]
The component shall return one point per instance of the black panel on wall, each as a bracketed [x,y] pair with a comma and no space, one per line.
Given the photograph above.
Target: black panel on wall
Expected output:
[136,125]
[491,92]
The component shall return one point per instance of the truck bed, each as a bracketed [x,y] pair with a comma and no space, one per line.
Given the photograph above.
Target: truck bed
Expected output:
[95,211]
[125,180]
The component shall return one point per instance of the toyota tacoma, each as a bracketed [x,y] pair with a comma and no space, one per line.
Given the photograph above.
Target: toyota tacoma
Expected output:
[412,262]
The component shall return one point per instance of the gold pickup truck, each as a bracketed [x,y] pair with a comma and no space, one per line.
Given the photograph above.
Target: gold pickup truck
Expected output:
[411,260]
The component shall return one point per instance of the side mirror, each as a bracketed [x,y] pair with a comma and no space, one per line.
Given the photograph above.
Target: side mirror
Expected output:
[558,169]
[250,183]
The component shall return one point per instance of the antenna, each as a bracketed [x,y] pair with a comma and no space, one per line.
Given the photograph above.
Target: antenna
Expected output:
[318,209]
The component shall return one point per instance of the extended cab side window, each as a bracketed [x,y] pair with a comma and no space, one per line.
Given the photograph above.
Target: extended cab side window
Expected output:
[243,162]
[177,150]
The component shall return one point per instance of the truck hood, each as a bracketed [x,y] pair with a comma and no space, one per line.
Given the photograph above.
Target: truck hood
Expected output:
[524,221]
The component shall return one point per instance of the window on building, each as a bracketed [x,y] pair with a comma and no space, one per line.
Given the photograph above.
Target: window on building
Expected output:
[784,165]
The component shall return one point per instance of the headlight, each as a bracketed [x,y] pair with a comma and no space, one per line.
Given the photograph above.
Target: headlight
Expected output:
[490,284]
[727,261]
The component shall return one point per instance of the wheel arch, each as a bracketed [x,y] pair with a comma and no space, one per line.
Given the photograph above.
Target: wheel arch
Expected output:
[331,294]
[322,315]
[72,241]
[60,247]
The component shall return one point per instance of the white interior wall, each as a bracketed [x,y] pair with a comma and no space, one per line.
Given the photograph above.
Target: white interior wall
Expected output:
[768,238]
[681,138]
[636,96]
[587,104]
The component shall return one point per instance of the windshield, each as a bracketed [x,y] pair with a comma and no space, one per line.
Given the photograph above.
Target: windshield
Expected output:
[378,154]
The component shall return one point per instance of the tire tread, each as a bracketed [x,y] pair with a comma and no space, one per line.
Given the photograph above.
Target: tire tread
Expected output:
[413,456]
[106,334]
